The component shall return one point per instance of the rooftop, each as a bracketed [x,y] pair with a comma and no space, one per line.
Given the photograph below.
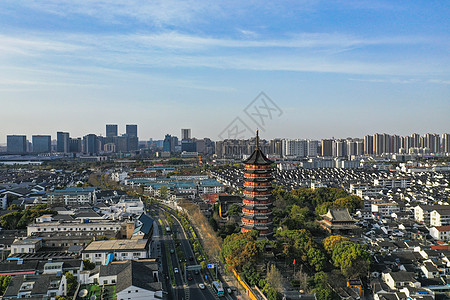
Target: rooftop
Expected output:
[117,245]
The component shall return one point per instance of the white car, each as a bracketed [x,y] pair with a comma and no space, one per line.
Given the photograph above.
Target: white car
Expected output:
[201,286]
[175,270]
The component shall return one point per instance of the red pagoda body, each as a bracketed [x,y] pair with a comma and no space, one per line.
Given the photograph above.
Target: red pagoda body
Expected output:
[257,202]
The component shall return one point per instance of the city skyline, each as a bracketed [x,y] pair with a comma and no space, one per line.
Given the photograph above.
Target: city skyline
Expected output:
[340,68]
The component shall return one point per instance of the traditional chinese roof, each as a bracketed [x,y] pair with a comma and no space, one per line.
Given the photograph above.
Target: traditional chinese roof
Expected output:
[257,157]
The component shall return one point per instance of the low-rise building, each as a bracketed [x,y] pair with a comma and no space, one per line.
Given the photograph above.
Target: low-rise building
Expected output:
[385,209]
[100,252]
[74,196]
[441,233]
[440,216]
[125,228]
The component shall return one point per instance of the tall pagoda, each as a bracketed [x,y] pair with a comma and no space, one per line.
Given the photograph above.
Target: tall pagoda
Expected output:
[257,202]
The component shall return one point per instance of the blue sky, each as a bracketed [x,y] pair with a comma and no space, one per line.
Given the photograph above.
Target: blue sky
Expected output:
[335,68]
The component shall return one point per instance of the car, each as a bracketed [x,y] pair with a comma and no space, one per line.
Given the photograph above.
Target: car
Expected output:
[229,291]
[172,251]
[175,270]
[201,286]
[189,277]
[196,272]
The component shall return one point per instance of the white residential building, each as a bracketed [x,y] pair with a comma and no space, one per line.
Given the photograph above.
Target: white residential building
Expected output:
[440,217]
[441,233]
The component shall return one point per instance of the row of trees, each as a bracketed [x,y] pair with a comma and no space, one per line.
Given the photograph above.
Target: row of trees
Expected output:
[21,218]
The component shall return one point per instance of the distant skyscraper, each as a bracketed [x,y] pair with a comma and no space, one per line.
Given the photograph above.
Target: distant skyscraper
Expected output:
[446,143]
[327,147]
[75,145]
[167,143]
[132,130]
[111,130]
[42,143]
[16,144]
[185,134]
[62,142]
[90,143]
[368,144]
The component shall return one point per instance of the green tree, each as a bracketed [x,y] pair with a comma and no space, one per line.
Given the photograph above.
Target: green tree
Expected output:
[316,259]
[234,210]
[332,241]
[164,192]
[71,283]
[237,250]
[352,259]
[88,265]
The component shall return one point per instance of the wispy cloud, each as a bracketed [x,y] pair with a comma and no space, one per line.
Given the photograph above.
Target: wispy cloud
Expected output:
[318,52]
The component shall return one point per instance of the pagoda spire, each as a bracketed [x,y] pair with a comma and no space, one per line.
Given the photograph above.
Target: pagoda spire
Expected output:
[257,139]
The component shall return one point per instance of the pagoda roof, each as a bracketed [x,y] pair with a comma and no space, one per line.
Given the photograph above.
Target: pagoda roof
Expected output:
[258,158]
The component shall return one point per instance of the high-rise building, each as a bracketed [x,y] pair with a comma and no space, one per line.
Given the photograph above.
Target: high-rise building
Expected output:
[327,147]
[131,130]
[121,144]
[446,143]
[339,148]
[62,142]
[257,202]
[16,144]
[42,143]
[167,143]
[313,147]
[368,144]
[296,148]
[185,134]
[432,142]
[90,144]
[75,145]
[276,147]
[378,144]
[111,130]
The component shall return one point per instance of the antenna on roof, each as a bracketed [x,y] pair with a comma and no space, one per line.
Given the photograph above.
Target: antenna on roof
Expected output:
[257,139]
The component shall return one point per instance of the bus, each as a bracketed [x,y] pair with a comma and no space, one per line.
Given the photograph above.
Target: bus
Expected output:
[218,288]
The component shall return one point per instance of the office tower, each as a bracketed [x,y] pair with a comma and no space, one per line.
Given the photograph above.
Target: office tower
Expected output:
[75,145]
[90,144]
[121,143]
[446,143]
[16,144]
[185,134]
[131,130]
[133,141]
[188,146]
[167,143]
[62,142]
[111,130]
[368,144]
[257,202]
[42,143]
[174,147]
[205,146]
[327,147]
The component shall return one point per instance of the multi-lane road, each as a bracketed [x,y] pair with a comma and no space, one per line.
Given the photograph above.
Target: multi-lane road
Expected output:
[164,248]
